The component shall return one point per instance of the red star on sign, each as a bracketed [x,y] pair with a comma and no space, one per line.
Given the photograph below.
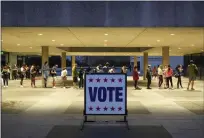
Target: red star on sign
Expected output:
[105,108]
[112,108]
[120,80]
[119,108]
[112,80]
[105,80]
[90,108]
[98,80]
[90,80]
[98,108]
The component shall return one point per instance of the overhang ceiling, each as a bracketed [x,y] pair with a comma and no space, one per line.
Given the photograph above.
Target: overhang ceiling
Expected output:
[30,39]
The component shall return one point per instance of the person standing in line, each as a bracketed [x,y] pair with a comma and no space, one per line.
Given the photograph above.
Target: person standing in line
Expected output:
[192,73]
[75,76]
[5,76]
[22,74]
[14,72]
[81,77]
[64,76]
[45,71]
[124,70]
[169,74]
[136,78]
[164,77]
[178,75]
[160,73]
[53,73]
[154,71]
[149,77]
[112,70]
[32,76]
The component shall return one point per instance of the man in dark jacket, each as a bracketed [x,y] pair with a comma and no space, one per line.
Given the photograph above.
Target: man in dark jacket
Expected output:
[149,77]
[81,78]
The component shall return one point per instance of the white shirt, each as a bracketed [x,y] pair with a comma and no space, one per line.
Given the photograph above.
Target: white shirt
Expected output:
[64,73]
[160,72]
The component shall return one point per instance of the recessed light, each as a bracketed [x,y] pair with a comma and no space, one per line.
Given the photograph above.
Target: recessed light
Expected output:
[61,44]
[192,45]
[53,40]
[179,48]
[105,40]
[105,34]
[172,34]
[149,45]
[30,47]
[18,44]
[40,34]
[158,40]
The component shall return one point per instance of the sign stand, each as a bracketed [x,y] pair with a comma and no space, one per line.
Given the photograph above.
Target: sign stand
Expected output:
[85,120]
[105,95]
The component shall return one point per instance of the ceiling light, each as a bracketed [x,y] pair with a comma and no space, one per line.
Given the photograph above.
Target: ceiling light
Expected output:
[105,40]
[61,44]
[192,45]
[18,44]
[30,47]
[158,40]
[179,48]
[53,40]
[172,34]
[105,34]
[149,45]
[40,34]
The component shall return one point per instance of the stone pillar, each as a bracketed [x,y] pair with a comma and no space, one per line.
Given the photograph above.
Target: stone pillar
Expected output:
[12,59]
[135,60]
[145,64]
[165,55]
[63,60]
[45,57]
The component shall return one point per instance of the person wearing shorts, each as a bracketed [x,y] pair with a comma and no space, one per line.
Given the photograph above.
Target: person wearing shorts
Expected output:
[192,73]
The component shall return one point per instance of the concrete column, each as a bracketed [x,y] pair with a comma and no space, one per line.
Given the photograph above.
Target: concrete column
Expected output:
[135,60]
[165,55]
[63,60]
[12,59]
[145,64]
[45,57]
[73,61]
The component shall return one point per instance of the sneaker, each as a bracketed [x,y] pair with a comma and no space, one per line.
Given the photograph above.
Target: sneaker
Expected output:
[21,86]
[54,87]
[64,87]
[192,89]
[6,86]
[149,88]
[187,88]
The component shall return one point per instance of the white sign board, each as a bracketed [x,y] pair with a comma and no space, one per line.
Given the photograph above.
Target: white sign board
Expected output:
[105,94]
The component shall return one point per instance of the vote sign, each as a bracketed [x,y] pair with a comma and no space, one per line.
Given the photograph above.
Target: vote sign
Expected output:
[105,94]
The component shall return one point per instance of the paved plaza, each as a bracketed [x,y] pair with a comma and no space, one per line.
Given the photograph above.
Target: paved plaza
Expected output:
[57,113]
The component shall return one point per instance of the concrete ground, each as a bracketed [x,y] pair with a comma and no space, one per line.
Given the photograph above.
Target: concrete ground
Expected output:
[48,113]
